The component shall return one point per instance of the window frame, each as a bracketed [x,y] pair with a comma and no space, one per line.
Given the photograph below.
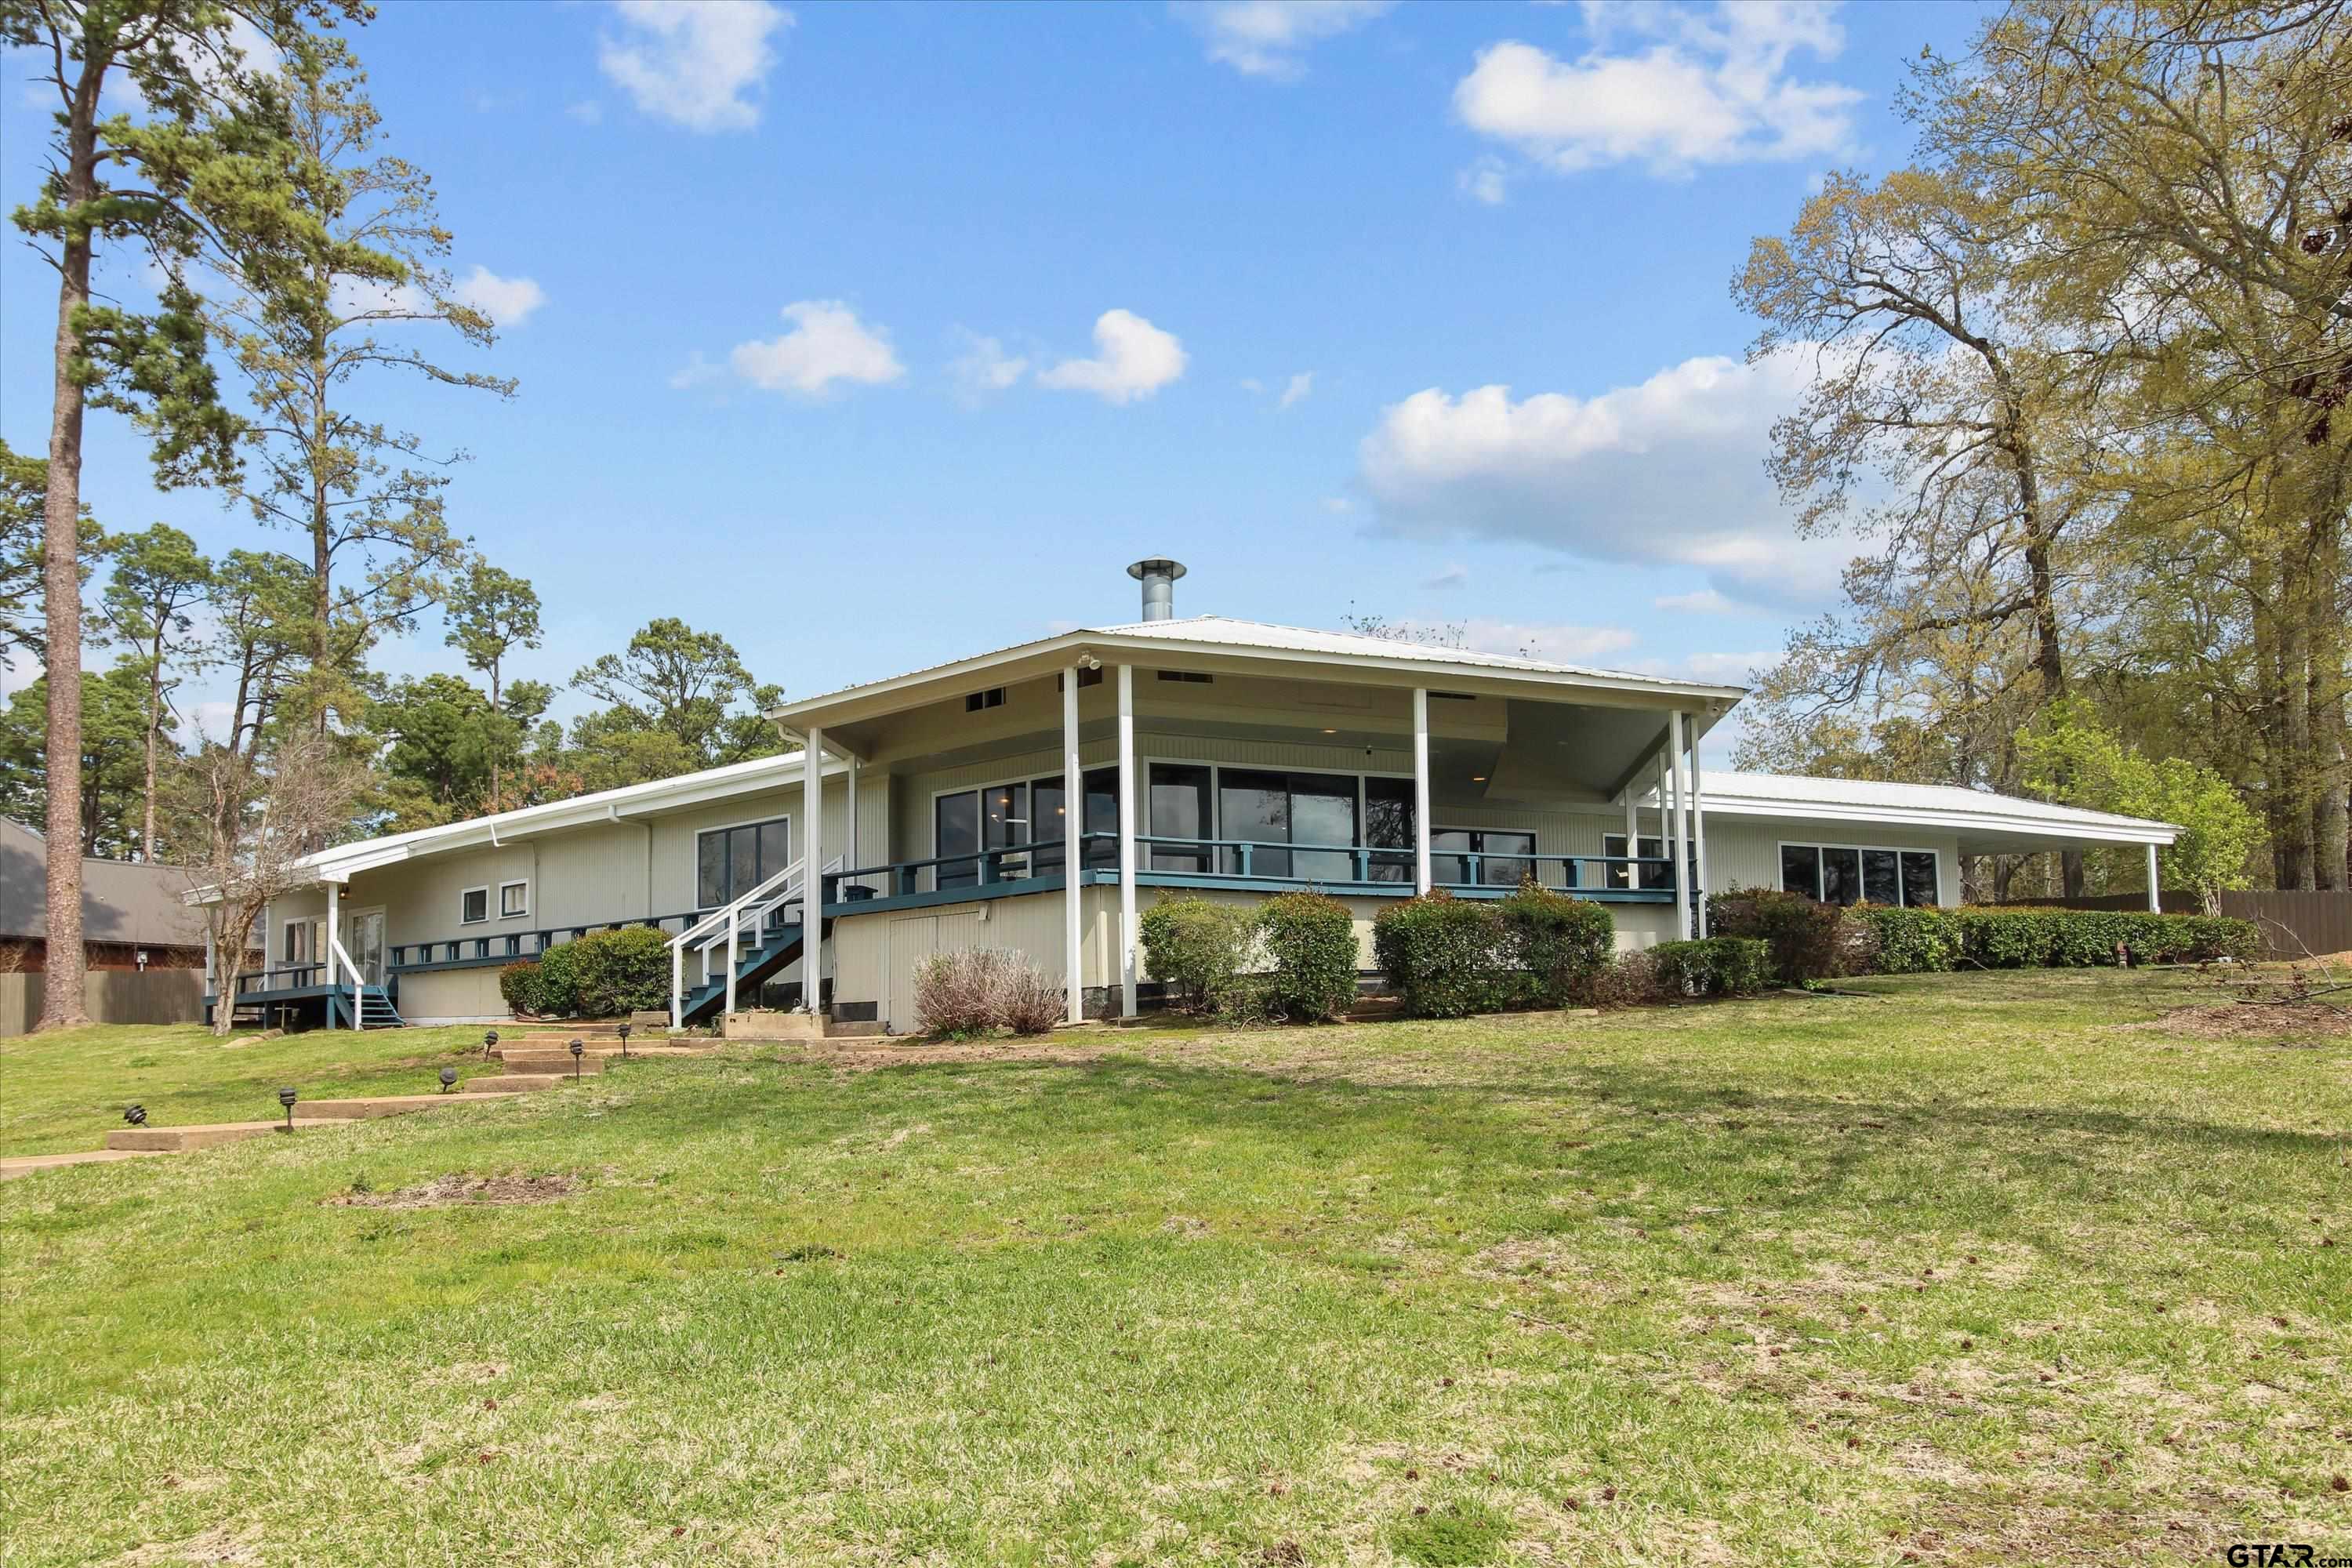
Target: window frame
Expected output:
[480,920]
[699,833]
[1782,846]
[1478,848]
[1665,874]
[522,914]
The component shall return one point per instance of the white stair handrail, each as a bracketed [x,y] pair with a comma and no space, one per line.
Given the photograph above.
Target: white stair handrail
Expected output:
[359,981]
[721,919]
[752,917]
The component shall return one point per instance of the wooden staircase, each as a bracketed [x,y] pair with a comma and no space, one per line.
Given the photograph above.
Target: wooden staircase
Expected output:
[779,946]
[375,1011]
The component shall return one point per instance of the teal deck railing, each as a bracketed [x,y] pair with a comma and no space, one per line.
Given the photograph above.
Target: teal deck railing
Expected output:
[1164,861]
[507,947]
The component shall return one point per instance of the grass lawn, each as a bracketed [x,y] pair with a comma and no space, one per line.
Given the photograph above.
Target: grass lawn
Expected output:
[1960,1272]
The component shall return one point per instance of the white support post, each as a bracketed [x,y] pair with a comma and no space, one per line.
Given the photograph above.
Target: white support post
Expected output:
[1421,871]
[1669,798]
[1699,830]
[329,955]
[850,857]
[1127,799]
[811,883]
[676,988]
[732,961]
[1681,823]
[212,967]
[1632,836]
[1074,812]
[2155,902]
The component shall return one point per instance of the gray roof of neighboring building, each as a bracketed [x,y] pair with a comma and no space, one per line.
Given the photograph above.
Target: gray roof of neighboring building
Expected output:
[122,900]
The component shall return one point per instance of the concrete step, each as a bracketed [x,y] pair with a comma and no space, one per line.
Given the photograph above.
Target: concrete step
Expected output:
[560,1062]
[512,1083]
[863,1030]
[25,1164]
[367,1107]
[205,1135]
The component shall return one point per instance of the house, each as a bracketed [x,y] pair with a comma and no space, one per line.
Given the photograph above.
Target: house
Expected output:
[132,914]
[1035,797]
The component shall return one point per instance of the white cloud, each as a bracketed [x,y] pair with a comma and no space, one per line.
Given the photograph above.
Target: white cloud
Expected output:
[1454,577]
[1705,602]
[1338,505]
[1133,359]
[827,343]
[1727,668]
[1668,472]
[701,65]
[588,111]
[1561,644]
[1708,88]
[1268,38]
[506,301]
[984,367]
[1300,386]
[1486,181]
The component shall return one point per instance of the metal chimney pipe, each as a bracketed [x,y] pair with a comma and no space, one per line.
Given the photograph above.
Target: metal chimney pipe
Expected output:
[1158,576]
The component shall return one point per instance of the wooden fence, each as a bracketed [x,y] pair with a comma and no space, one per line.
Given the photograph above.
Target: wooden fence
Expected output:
[110,996]
[2292,923]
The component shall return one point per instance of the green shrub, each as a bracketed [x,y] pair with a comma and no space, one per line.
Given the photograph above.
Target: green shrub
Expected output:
[1445,957]
[1193,948]
[518,985]
[1309,942]
[1806,938]
[558,982]
[1629,979]
[1561,942]
[1922,941]
[2023,936]
[623,971]
[1715,966]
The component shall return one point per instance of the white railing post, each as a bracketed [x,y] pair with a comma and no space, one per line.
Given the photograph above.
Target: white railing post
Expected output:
[1127,800]
[812,887]
[731,918]
[1698,831]
[1421,873]
[2155,902]
[677,985]
[1682,825]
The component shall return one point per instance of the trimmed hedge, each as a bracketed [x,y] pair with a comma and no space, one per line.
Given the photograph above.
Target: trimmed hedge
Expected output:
[1806,938]
[620,972]
[1195,947]
[1718,967]
[1310,942]
[1560,944]
[1924,940]
[1444,955]
[518,985]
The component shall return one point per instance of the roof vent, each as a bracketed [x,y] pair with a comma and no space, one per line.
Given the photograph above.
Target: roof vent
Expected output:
[1158,576]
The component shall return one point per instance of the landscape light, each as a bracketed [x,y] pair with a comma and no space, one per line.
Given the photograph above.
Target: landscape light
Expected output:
[489,1044]
[624,1040]
[286,1098]
[448,1079]
[135,1114]
[577,1048]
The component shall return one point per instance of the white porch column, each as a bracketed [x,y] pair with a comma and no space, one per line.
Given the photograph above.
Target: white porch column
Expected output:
[1673,801]
[1127,799]
[811,881]
[1420,873]
[1632,836]
[1699,829]
[2154,903]
[1073,815]
[212,965]
[333,936]
[849,856]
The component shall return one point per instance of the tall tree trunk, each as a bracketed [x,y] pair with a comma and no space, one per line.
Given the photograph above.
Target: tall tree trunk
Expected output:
[154,729]
[2331,768]
[67,960]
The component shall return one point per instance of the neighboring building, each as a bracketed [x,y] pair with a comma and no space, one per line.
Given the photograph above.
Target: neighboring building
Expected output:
[1254,759]
[133,916]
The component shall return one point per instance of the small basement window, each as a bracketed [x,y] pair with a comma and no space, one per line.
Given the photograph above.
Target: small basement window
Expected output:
[514,899]
[991,698]
[473,906]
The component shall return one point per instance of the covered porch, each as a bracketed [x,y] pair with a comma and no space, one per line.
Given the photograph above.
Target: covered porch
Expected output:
[1207,761]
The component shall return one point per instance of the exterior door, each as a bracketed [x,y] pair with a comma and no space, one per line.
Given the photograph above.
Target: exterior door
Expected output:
[913,939]
[364,940]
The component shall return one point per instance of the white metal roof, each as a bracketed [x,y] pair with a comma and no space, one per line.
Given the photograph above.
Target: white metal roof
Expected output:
[1979,814]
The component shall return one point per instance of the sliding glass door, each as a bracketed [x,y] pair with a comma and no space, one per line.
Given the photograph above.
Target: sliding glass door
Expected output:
[1273,808]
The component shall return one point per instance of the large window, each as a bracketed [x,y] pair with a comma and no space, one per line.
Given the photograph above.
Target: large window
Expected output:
[1271,808]
[729,862]
[1013,815]
[1851,874]
[1508,856]
[1179,807]
[1388,818]
[1660,876]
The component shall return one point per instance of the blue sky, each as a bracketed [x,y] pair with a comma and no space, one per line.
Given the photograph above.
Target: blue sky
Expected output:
[871,336]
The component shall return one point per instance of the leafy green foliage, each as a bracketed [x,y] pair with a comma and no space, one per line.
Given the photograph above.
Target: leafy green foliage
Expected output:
[1309,943]
[2072,758]
[1714,966]
[671,699]
[620,972]
[113,757]
[24,493]
[1563,943]
[558,980]
[518,986]
[1446,957]
[1897,941]
[1924,940]
[1805,936]
[1195,947]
